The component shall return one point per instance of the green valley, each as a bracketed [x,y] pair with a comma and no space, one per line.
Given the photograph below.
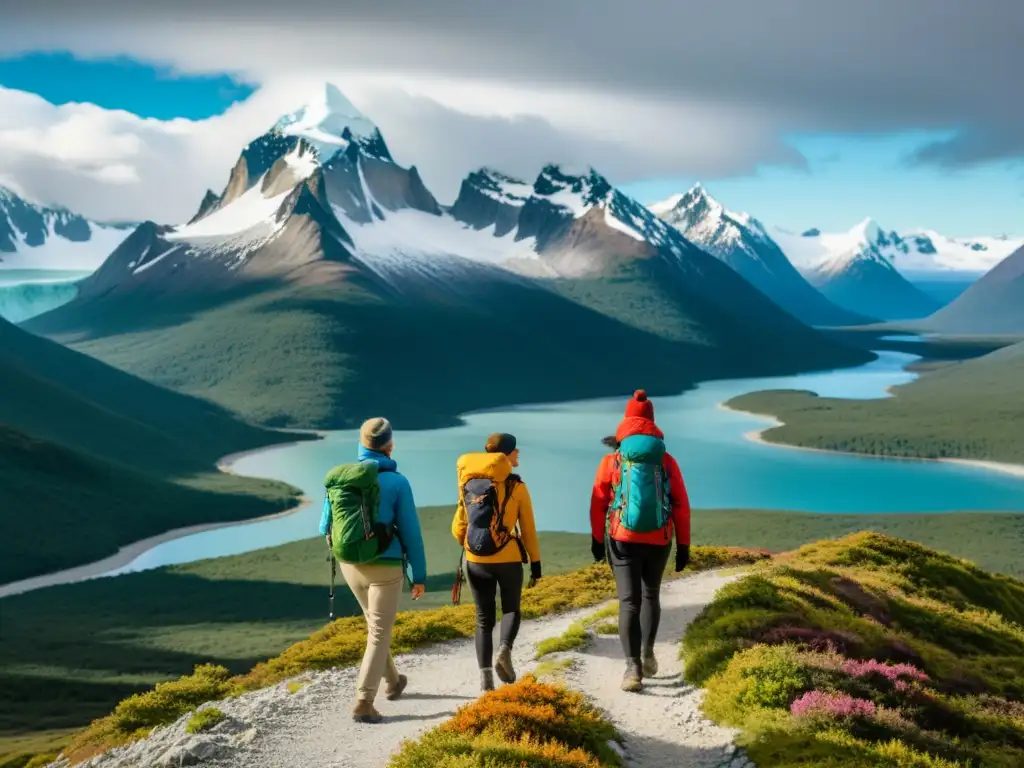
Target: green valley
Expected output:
[83,441]
[324,356]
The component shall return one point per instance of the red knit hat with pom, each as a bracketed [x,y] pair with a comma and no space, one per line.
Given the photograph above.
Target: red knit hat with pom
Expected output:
[640,407]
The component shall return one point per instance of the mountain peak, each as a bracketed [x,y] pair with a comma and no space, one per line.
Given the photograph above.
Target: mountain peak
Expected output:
[697,196]
[867,230]
[588,184]
[330,122]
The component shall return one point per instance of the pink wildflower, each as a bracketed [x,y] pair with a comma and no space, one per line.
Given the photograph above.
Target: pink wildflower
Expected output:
[892,672]
[833,704]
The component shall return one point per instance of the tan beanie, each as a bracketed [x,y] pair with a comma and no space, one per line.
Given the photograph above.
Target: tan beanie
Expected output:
[375,434]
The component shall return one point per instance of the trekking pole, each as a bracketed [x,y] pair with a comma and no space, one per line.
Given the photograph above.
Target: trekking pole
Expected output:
[334,570]
[459,578]
[330,606]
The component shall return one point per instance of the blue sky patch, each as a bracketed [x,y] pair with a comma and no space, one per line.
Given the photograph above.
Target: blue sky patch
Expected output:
[850,177]
[121,83]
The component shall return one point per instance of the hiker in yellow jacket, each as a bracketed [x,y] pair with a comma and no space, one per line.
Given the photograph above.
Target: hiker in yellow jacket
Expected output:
[495,526]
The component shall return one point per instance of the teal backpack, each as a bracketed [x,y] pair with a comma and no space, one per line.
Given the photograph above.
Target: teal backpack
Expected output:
[357,535]
[641,497]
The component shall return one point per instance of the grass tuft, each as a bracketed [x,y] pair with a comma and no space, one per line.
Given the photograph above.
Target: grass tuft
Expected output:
[574,638]
[204,720]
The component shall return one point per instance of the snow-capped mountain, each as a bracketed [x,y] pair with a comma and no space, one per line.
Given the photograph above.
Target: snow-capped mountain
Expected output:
[743,243]
[318,224]
[856,270]
[35,236]
[288,207]
[913,253]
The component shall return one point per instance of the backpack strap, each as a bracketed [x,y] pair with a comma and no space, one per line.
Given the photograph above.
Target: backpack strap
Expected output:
[616,468]
[510,486]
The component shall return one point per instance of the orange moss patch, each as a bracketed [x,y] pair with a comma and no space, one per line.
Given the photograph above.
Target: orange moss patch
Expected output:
[527,723]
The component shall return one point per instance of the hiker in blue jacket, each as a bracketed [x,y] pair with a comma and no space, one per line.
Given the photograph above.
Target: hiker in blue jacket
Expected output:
[377,585]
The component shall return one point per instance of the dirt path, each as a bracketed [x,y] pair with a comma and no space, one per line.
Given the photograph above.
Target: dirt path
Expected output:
[274,728]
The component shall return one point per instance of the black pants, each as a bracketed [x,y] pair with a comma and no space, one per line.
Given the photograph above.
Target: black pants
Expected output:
[486,580]
[638,570]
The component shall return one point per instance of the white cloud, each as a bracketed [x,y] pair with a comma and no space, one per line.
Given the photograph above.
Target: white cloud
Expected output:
[652,89]
[111,164]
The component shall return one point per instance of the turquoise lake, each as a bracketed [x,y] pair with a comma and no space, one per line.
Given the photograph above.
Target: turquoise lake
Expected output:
[25,293]
[561,449]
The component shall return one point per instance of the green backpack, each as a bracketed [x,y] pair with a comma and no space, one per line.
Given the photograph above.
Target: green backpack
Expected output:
[357,536]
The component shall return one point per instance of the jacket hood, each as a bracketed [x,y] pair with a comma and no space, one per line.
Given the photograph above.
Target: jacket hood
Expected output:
[634,425]
[494,466]
[384,463]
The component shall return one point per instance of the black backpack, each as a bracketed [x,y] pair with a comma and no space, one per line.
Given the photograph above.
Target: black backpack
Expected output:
[486,533]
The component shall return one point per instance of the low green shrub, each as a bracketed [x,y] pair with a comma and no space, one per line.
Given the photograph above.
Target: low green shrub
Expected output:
[867,650]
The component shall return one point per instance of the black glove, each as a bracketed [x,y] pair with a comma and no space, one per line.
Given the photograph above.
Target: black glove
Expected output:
[535,571]
[682,556]
[597,550]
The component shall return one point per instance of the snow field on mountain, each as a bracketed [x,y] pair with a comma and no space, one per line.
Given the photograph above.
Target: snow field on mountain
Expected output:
[60,253]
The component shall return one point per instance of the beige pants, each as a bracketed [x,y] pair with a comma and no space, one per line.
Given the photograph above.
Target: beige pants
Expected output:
[377,588]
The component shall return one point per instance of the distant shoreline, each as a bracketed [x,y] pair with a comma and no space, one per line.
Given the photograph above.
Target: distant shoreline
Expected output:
[757,436]
[129,552]
[225,464]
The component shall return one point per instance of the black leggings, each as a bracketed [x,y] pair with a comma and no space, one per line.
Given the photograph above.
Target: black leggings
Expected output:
[638,570]
[485,580]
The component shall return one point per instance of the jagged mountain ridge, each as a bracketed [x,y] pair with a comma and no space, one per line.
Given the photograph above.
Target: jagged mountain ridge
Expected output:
[35,236]
[317,256]
[743,243]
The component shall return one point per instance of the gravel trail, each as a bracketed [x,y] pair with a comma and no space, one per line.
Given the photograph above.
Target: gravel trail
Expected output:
[311,727]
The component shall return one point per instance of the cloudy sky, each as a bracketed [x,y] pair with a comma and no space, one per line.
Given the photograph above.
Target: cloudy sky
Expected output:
[802,112]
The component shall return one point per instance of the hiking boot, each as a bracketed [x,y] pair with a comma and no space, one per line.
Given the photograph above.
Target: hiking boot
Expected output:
[365,712]
[650,668]
[486,680]
[392,692]
[503,665]
[632,679]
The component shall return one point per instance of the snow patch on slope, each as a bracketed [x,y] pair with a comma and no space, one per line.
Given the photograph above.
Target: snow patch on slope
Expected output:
[614,223]
[508,191]
[409,243]
[250,217]
[147,264]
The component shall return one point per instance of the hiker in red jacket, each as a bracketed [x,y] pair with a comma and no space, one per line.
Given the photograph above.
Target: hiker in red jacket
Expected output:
[632,517]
